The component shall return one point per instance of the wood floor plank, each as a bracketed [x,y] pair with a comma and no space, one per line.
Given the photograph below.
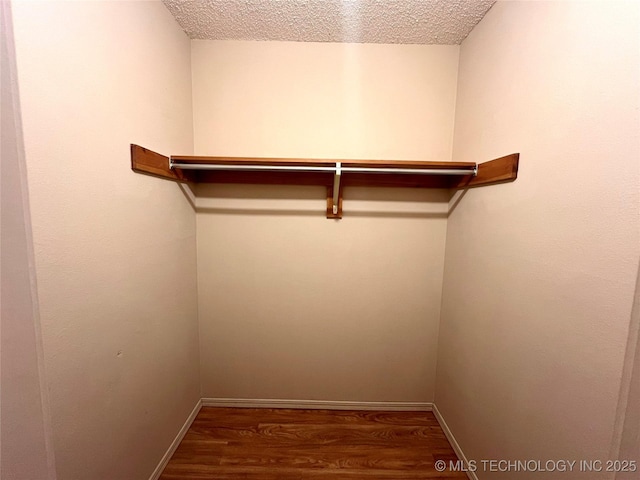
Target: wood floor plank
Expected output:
[286,444]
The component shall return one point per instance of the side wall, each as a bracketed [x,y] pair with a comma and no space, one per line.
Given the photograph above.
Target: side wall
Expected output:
[293,305]
[539,274]
[114,251]
[25,437]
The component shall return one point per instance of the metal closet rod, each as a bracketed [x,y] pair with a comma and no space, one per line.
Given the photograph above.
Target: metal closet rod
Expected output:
[337,168]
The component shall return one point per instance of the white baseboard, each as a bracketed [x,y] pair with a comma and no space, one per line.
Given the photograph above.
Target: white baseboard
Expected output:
[452,440]
[317,404]
[176,441]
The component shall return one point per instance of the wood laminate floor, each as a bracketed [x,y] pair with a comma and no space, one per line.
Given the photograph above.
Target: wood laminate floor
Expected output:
[270,444]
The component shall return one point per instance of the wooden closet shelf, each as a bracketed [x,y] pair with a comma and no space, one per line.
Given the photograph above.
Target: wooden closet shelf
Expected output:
[305,162]
[333,174]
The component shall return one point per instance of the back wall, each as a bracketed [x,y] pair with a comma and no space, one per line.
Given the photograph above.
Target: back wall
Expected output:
[293,305]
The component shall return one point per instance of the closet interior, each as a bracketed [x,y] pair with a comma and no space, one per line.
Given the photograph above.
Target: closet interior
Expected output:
[198,317]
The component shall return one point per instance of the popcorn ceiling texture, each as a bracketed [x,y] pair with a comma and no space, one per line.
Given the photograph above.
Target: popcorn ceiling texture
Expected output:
[445,22]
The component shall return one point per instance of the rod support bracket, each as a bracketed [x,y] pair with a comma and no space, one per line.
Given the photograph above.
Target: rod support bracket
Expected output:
[334,194]
[336,187]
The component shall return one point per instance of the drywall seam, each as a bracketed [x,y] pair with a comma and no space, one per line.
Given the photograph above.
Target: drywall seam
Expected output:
[452,440]
[176,442]
[317,404]
[9,43]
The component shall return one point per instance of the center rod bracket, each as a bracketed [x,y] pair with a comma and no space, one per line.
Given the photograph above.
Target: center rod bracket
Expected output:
[336,187]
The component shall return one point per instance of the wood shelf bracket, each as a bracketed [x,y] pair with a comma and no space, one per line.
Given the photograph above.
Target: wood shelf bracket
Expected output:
[335,175]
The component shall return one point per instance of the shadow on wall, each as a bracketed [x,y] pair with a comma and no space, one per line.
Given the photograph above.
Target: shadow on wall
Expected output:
[295,200]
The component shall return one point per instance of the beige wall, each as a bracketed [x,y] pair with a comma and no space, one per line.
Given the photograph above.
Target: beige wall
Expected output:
[539,274]
[114,251]
[293,305]
[25,436]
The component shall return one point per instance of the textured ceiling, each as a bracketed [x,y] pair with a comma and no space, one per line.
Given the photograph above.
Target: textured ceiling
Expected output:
[360,21]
